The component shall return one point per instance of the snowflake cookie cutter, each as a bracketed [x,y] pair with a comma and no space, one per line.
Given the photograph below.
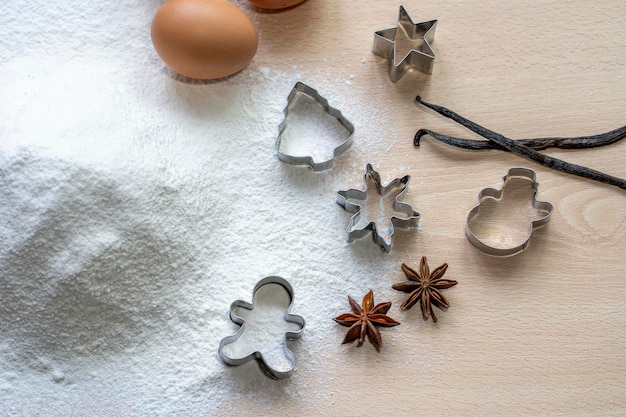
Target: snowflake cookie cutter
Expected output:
[293,155]
[267,369]
[496,194]
[361,225]
[420,58]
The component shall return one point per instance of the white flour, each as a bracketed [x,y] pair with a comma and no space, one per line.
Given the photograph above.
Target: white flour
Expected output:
[135,208]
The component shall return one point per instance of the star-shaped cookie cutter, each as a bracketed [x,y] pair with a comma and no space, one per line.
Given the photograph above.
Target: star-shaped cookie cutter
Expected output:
[357,228]
[257,355]
[486,193]
[420,58]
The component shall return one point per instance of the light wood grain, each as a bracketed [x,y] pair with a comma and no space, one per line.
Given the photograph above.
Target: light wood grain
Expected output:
[541,333]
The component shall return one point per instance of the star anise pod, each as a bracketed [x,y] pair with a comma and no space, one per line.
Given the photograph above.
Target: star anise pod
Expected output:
[426,287]
[363,321]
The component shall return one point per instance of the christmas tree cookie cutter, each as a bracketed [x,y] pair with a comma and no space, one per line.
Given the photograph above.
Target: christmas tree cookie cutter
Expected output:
[420,58]
[295,155]
[381,214]
[496,194]
[266,368]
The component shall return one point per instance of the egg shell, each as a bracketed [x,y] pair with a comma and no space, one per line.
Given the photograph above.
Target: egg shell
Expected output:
[275,4]
[204,39]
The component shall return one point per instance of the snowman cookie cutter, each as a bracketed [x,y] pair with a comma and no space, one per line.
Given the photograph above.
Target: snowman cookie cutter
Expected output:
[496,194]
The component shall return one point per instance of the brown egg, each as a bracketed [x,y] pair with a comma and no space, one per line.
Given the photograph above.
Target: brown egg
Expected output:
[203,39]
[275,4]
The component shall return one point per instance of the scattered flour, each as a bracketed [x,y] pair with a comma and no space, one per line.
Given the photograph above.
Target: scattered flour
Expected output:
[135,207]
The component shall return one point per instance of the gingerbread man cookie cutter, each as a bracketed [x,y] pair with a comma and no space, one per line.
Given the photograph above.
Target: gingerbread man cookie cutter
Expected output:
[267,369]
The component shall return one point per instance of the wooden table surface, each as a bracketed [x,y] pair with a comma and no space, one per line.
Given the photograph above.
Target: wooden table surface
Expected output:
[540,333]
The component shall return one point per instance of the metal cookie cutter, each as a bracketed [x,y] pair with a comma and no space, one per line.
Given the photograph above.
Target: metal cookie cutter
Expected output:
[290,153]
[291,318]
[492,193]
[375,216]
[420,58]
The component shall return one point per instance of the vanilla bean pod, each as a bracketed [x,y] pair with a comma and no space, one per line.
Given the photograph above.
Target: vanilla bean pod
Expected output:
[525,151]
[538,144]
